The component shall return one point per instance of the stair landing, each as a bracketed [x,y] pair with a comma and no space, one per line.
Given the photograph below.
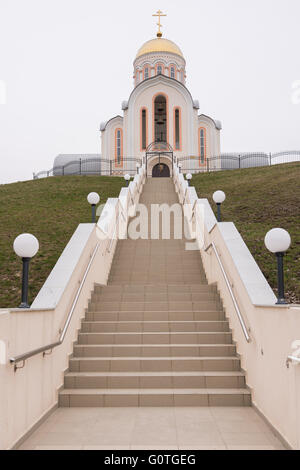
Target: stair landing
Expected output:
[166,428]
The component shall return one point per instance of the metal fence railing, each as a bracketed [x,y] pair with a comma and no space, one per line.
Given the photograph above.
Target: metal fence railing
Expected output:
[93,166]
[192,164]
[234,161]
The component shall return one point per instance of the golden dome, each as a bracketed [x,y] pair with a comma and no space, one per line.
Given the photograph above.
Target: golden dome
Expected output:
[159,45]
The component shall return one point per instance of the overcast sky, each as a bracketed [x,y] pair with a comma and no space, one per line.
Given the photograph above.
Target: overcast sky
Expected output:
[67,65]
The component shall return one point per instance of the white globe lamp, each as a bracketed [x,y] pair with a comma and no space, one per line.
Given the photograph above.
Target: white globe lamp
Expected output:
[278,242]
[127,179]
[93,199]
[26,247]
[188,177]
[219,197]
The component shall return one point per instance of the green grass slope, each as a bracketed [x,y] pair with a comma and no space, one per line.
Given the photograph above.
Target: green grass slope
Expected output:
[50,209]
[259,199]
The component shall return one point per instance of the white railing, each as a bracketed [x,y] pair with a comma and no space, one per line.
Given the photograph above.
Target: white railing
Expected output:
[188,197]
[293,360]
[112,213]
[233,298]
[251,309]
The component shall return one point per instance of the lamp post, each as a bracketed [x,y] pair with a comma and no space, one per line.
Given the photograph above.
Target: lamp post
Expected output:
[127,179]
[219,197]
[180,167]
[93,200]
[189,176]
[26,246]
[278,242]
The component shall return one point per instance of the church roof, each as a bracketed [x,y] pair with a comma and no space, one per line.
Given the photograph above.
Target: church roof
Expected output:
[159,45]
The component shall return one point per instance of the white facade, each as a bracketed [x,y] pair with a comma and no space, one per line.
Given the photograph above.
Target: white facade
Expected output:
[160,109]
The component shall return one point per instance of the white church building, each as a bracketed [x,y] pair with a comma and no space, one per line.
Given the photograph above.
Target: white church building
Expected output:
[160,117]
[160,122]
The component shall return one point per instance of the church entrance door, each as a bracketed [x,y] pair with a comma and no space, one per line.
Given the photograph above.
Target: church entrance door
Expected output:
[160,171]
[162,150]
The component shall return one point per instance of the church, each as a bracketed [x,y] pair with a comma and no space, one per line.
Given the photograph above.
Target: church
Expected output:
[160,121]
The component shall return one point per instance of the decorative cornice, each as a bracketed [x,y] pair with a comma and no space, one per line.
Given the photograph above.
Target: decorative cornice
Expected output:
[104,124]
[159,77]
[217,124]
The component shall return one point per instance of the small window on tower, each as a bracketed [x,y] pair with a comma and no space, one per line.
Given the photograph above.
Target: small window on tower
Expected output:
[118,147]
[159,70]
[146,75]
[177,129]
[144,129]
[172,72]
[202,145]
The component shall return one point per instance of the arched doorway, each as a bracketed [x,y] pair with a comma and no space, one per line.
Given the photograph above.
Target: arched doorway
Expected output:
[161,170]
[160,119]
[159,153]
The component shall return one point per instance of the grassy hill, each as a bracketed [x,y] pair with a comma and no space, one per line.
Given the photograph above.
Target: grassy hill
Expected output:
[50,209]
[259,199]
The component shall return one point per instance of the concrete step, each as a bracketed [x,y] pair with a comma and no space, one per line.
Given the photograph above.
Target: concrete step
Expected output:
[204,315]
[160,337]
[161,306]
[154,397]
[157,334]
[161,263]
[151,277]
[154,297]
[142,267]
[163,280]
[154,380]
[90,325]
[153,350]
[154,364]
[155,288]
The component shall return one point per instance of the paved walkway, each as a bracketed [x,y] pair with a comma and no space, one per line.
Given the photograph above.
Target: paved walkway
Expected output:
[153,428]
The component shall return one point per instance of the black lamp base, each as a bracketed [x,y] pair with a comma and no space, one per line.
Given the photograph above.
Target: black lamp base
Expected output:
[281,302]
[24,305]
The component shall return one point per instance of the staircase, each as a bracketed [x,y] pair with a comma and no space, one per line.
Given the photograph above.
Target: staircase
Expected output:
[157,334]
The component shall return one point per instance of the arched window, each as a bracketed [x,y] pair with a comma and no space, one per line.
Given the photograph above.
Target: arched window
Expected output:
[146,73]
[177,129]
[172,72]
[160,114]
[159,69]
[202,145]
[118,147]
[182,76]
[144,124]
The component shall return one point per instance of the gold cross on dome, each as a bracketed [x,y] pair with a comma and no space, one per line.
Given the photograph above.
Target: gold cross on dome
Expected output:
[159,14]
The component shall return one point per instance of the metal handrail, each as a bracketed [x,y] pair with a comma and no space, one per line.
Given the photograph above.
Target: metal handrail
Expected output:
[240,316]
[114,233]
[292,359]
[49,347]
